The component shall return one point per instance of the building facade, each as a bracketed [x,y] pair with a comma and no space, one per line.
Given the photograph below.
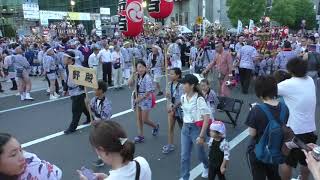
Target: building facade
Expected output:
[186,12]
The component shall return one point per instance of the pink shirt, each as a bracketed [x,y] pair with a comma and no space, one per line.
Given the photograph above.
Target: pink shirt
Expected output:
[222,62]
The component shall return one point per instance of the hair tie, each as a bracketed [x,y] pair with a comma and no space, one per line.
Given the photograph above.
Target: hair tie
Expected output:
[123,140]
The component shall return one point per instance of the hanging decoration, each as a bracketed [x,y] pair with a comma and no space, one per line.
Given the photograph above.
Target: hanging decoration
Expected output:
[160,9]
[130,17]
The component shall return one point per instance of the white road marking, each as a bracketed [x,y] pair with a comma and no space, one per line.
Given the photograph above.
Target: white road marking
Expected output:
[47,101]
[197,171]
[46,138]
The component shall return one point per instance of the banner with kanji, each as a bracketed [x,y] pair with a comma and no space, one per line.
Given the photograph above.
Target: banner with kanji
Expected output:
[86,77]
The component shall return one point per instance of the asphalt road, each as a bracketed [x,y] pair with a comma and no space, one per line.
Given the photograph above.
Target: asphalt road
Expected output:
[38,126]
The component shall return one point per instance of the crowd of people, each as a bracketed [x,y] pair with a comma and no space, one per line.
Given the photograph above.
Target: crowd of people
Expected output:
[285,72]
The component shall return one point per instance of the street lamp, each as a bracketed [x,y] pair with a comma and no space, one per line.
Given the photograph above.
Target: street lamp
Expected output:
[72,3]
[144,4]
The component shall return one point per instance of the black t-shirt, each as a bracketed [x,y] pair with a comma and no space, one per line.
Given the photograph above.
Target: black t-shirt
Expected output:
[258,120]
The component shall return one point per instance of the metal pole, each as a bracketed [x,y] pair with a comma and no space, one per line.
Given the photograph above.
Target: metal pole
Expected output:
[203,16]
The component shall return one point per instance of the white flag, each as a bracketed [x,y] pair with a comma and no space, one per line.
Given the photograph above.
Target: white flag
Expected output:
[251,25]
[239,29]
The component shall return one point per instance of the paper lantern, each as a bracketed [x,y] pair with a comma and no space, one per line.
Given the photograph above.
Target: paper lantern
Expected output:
[160,9]
[130,17]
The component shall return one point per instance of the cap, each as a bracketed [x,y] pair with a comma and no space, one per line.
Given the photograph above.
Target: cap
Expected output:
[218,126]
[190,79]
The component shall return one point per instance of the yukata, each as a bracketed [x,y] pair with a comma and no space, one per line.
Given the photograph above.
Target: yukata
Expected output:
[176,91]
[193,57]
[127,66]
[155,64]
[8,64]
[175,55]
[212,101]
[101,109]
[282,59]
[78,56]
[50,67]
[39,169]
[61,65]
[21,65]
[145,86]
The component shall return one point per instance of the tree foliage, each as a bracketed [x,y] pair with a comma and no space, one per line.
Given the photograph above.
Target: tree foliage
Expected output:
[292,12]
[283,11]
[304,10]
[245,10]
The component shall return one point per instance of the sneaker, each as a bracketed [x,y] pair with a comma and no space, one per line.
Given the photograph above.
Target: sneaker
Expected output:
[155,131]
[168,148]
[205,173]
[22,97]
[28,97]
[52,97]
[66,132]
[13,88]
[160,93]
[98,163]
[1,91]
[48,90]
[56,95]
[139,139]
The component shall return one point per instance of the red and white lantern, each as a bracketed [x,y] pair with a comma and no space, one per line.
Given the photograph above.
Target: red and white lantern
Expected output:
[160,9]
[130,17]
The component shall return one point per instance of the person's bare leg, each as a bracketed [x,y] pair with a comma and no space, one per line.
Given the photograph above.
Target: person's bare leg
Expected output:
[139,121]
[171,124]
[146,119]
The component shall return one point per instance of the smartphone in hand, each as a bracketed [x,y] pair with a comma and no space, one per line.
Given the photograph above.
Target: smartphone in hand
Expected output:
[88,173]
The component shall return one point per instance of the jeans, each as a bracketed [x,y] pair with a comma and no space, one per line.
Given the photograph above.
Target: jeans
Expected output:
[189,134]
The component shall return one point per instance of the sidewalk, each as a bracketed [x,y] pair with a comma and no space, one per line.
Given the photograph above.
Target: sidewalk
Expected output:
[38,84]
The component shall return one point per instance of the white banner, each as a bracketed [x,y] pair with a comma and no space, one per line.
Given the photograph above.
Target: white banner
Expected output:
[251,25]
[239,29]
[105,11]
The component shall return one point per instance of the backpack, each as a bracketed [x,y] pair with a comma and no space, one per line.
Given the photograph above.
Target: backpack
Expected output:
[270,148]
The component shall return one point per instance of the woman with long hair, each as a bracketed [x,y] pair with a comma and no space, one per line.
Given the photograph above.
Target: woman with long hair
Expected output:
[144,99]
[196,115]
[16,164]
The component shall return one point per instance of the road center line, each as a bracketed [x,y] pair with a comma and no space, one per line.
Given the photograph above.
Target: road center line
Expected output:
[46,138]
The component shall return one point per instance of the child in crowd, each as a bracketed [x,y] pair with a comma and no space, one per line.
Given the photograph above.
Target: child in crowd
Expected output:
[174,93]
[266,65]
[209,95]
[219,151]
[101,108]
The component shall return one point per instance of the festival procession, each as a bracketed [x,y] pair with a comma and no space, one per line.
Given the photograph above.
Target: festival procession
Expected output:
[159,90]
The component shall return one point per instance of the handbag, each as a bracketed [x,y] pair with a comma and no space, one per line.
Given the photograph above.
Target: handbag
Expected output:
[117,64]
[200,123]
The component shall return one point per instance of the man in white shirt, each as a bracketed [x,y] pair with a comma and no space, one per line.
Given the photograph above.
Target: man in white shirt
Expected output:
[93,60]
[247,55]
[299,95]
[105,58]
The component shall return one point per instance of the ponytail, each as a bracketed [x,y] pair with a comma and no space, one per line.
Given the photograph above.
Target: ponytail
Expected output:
[111,137]
[127,151]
